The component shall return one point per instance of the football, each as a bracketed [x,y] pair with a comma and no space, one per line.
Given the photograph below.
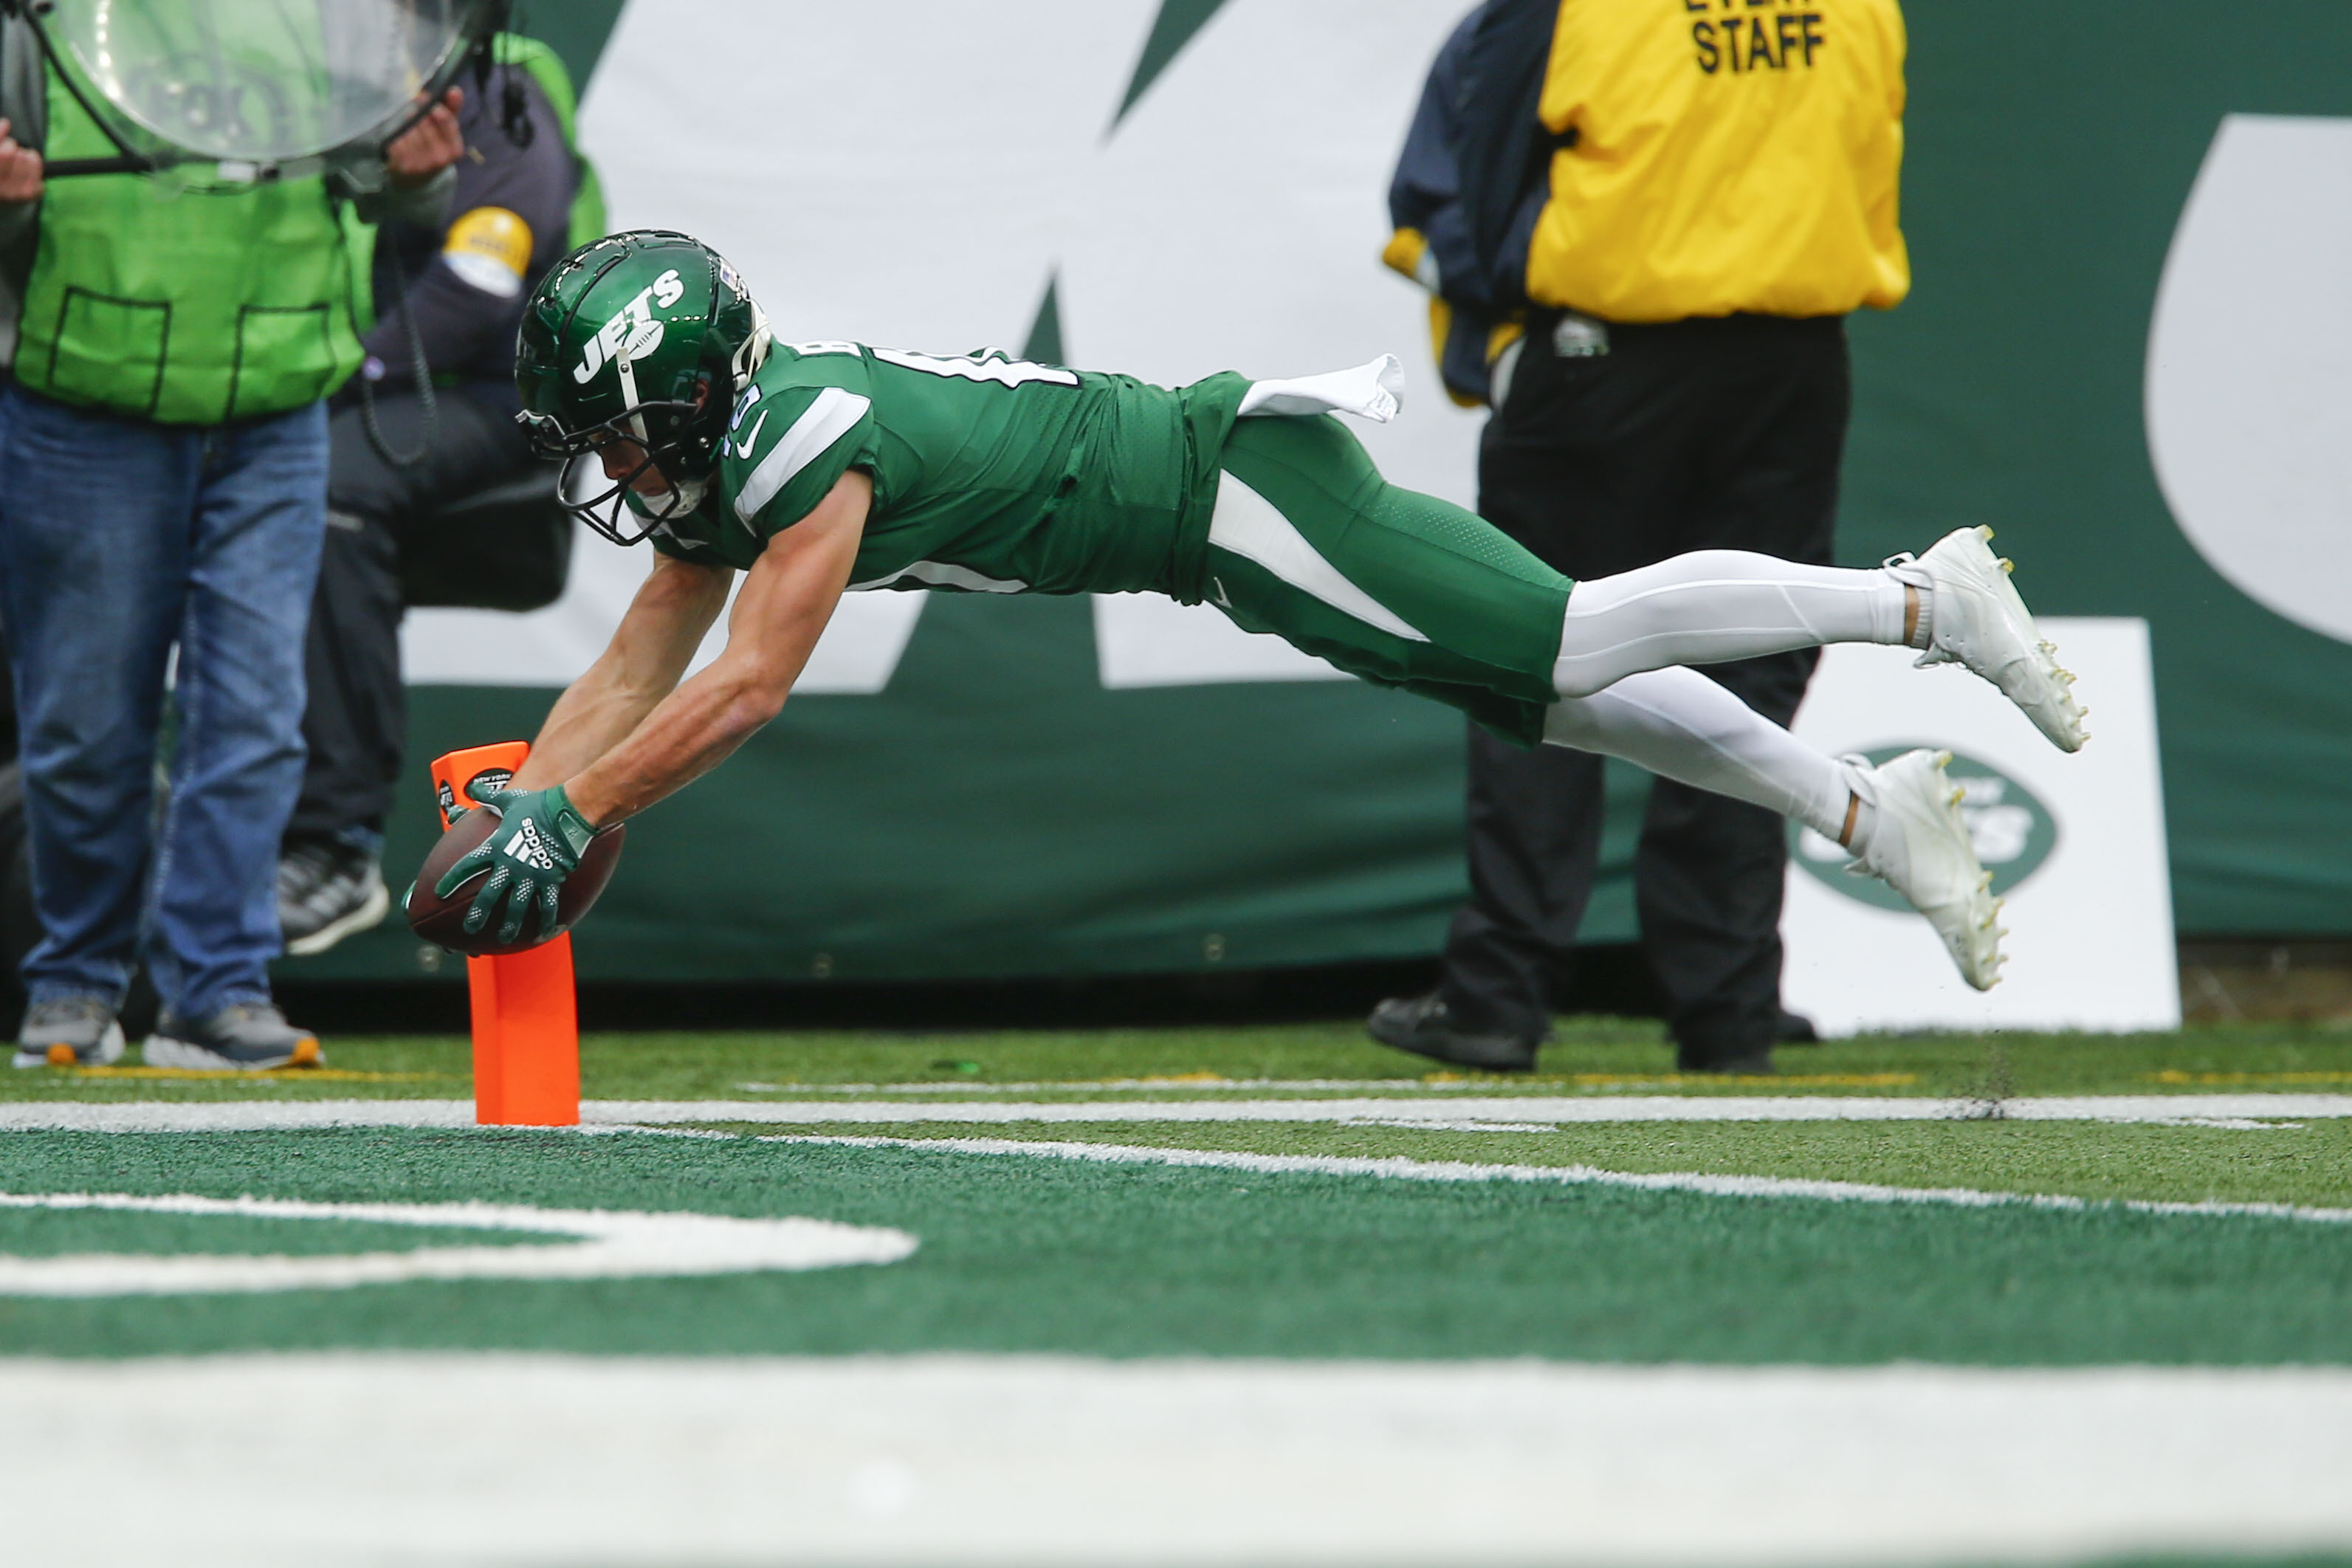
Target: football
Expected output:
[442,921]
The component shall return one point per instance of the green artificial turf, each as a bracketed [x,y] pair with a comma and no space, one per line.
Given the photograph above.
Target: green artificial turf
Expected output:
[2308,1166]
[1021,1253]
[1591,1056]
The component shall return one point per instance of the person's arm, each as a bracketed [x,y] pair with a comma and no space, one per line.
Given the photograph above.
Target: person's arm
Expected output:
[20,186]
[544,827]
[787,598]
[421,162]
[1503,149]
[1431,244]
[643,664]
[509,211]
[23,95]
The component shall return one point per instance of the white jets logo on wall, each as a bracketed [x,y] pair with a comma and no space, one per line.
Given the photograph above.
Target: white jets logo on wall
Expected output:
[2246,369]
[634,331]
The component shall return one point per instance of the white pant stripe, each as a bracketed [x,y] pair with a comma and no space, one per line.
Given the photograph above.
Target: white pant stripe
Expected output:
[1248,525]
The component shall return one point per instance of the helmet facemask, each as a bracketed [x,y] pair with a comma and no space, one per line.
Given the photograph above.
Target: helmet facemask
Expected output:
[607,510]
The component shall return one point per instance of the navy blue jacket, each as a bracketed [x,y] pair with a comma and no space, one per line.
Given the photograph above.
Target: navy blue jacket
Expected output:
[1473,176]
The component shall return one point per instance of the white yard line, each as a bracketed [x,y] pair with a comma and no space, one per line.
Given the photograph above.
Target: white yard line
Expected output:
[1128,1086]
[229,1115]
[222,1116]
[257,1461]
[603,1244]
[1396,1168]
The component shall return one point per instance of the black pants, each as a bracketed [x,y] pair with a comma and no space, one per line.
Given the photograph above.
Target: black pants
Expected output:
[357,720]
[1688,435]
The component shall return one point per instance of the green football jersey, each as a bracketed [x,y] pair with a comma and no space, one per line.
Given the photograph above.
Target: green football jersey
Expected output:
[991,474]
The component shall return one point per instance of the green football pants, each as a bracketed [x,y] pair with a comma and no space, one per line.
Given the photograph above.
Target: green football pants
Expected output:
[1310,543]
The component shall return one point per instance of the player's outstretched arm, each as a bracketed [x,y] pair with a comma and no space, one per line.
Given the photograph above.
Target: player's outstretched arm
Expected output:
[540,835]
[547,817]
[643,664]
[787,598]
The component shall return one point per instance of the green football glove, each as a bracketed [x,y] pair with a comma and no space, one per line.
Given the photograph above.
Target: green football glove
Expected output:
[537,844]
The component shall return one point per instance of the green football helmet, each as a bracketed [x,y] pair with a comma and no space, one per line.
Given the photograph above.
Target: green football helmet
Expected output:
[645,339]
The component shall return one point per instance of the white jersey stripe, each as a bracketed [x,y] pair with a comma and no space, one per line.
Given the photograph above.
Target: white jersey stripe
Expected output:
[834,414]
[945,574]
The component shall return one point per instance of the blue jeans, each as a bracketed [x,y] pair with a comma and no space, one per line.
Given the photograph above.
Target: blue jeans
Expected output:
[119,539]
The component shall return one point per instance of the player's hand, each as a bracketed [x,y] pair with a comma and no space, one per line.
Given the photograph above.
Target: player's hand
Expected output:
[536,845]
[20,169]
[430,145]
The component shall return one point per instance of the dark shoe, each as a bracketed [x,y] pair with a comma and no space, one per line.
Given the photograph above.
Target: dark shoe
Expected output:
[1755,1063]
[326,891]
[1422,1025]
[70,1031]
[1796,1029]
[246,1038]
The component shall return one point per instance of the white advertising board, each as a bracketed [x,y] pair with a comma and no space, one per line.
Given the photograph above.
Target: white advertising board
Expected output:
[2075,844]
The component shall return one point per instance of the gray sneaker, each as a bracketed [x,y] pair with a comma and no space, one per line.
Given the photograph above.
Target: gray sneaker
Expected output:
[325,893]
[72,1031]
[246,1038]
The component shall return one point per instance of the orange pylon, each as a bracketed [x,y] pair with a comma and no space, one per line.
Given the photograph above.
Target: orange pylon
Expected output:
[525,1004]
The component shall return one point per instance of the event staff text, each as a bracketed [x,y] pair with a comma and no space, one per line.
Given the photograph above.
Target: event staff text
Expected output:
[1740,42]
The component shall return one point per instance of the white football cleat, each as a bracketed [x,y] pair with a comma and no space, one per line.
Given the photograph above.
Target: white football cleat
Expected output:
[1977,619]
[1919,847]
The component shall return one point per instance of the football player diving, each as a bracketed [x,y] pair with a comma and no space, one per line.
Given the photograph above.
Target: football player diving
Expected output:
[819,469]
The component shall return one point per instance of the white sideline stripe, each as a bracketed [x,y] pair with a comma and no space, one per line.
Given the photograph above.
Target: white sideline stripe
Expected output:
[833,414]
[263,1461]
[1399,1169]
[1556,1109]
[279,1115]
[1106,1086]
[605,1245]
[1253,528]
[613,1116]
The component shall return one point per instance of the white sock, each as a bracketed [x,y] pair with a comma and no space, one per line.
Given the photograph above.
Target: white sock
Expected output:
[1856,771]
[1680,725]
[1915,577]
[1713,605]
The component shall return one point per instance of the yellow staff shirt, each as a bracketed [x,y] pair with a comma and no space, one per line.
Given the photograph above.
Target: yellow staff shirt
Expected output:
[1730,155]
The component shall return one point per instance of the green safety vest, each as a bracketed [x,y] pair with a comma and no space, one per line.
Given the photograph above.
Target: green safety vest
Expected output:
[186,307]
[197,305]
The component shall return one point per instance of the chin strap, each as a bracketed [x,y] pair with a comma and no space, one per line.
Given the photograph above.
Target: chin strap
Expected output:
[629,399]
